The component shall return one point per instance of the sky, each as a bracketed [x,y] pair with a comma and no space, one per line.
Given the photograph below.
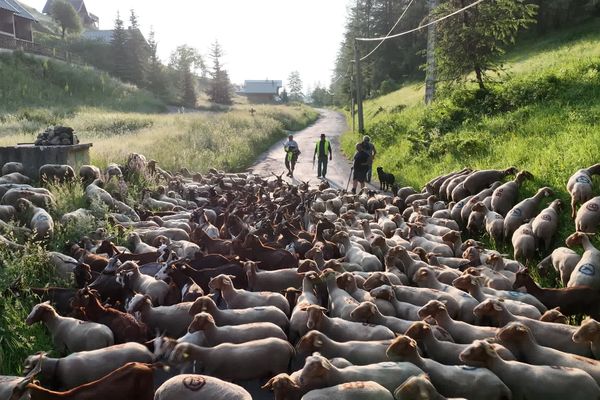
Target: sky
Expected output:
[262,39]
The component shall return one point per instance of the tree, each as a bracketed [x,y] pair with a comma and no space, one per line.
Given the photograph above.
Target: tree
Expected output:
[321,97]
[66,16]
[187,61]
[136,51]
[220,87]
[119,49]
[284,97]
[155,79]
[473,40]
[295,86]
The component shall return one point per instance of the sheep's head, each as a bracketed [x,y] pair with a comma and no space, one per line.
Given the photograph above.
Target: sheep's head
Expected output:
[432,308]
[464,282]
[346,281]
[38,311]
[201,322]
[514,332]
[33,364]
[416,387]
[418,330]
[364,312]
[221,282]
[489,307]
[23,206]
[315,314]
[137,302]
[384,292]
[575,239]
[478,354]
[554,315]
[587,332]
[423,274]
[311,342]
[521,278]
[281,385]
[307,266]
[202,304]
[339,237]
[250,267]
[402,347]
[375,280]
[316,368]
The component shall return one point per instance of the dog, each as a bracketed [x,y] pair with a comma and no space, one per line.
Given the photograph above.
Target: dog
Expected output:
[386,180]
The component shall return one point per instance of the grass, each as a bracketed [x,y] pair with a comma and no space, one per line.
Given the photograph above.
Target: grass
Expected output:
[544,118]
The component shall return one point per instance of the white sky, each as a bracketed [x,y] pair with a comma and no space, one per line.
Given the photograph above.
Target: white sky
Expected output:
[262,39]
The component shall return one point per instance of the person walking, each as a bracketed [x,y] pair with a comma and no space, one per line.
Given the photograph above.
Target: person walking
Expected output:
[360,166]
[369,147]
[322,149]
[291,155]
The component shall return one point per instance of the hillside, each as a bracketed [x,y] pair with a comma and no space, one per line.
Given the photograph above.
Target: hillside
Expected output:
[544,118]
[32,82]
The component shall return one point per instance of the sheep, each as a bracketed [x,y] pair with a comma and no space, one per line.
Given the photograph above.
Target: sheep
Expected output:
[272,281]
[56,173]
[479,180]
[251,360]
[15,178]
[200,387]
[417,387]
[139,247]
[239,316]
[132,381]
[368,390]
[86,366]
[355,254]
[357,352]
[579,186]
[10,167]
[38,219]
[70,334]
[544,226]
[319,372]
[95,192]
[239,298]
[450,380]
[563,260]
[505,196]
[171,320]
[342,330]
[589,332]
[7,213]
[129,275]
[38,196]
[524,210]
[216,335]
[554,315]
[587,270]
[79,216]
[89,173]
[518,338]
[524,243]
[550,382]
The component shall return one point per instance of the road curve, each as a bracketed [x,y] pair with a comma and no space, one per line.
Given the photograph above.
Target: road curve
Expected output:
[332,124]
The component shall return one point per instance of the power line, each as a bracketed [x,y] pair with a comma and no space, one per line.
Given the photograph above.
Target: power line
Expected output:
[391,30]
[420,27]
[342,76]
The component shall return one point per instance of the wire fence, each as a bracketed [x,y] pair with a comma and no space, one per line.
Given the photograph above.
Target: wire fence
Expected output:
[11,43]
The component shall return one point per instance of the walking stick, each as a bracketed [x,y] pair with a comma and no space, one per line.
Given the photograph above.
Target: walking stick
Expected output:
[350,177]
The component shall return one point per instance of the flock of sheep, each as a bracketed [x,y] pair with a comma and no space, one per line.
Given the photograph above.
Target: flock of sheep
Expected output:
[314,292]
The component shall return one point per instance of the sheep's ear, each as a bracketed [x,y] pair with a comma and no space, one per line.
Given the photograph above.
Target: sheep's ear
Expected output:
[318,343]
[521,329]
[497,307]
[269,384]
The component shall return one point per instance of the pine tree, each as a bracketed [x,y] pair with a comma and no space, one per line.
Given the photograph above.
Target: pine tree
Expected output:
[220,87]
[155,79]
[137,53]
[295,86]
[186,60]
[119,50]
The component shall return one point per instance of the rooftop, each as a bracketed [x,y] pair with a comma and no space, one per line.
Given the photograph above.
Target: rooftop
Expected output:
[261,87]
[15,7]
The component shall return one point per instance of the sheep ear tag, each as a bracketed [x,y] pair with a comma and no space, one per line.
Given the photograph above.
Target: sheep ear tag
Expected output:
[194,383]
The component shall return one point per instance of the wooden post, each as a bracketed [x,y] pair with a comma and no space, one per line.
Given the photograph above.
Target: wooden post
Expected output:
[359,100]
[431,66]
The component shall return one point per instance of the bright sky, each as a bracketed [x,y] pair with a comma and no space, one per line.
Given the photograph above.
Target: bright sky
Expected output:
[262,39]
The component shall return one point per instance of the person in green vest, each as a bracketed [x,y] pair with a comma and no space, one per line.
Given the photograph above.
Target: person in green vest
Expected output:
[322,150]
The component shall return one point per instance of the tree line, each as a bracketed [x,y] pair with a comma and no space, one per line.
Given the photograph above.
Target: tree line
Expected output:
[469,42]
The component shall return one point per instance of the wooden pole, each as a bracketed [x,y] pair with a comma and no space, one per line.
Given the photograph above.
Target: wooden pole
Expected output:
[431,66]
[359,100]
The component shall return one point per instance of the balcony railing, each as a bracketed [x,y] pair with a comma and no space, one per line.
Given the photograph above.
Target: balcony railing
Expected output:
[7,42]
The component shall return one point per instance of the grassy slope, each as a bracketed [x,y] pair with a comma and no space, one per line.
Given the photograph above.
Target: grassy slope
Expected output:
[552,129]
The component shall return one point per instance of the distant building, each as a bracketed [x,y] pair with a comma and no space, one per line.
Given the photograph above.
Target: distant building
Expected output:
[261,91]
[15,21]
[88,20]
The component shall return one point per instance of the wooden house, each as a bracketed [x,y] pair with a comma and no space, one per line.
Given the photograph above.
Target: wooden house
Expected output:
[88,20]
[261,91]
[15,21]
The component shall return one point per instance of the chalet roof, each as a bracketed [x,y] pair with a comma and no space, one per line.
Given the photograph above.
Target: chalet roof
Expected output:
[261,87]
[15,7]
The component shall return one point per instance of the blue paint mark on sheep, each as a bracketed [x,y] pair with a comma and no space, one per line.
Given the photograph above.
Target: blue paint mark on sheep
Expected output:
[517,212]
[583,179]
[588,269]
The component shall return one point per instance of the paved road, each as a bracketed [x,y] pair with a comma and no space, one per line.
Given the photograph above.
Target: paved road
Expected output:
[332,124]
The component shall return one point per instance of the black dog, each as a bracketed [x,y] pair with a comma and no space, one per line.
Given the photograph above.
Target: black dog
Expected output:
[386,180]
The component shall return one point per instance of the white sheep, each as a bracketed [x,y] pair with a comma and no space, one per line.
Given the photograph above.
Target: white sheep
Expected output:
[129,275]
[171,320]
[233,333]
[200,387]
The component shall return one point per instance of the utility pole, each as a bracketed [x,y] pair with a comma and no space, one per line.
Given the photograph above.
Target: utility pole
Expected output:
[352,111]
[359,100]
[431,66]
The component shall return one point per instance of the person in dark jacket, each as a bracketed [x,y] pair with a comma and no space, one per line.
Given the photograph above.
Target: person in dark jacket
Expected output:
[369,147]
[361,167]
[322,150]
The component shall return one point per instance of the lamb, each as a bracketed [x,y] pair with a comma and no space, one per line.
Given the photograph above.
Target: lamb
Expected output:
[524,210]
[351,390]
[450,380]
[86,366]
[506,195]
[70,334]
[38,219]
[589,332]
[550,382]
[545,225]
[251,360]
[240,316]
[518,338]
[216,335]
[524,243]
[239,298]
[129,275]
[355,351]
[579,186]
[587,270]
[343,330]
[554,315]
[563,260]
[445,352]
[171,320]
[320,372]
[200,387]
